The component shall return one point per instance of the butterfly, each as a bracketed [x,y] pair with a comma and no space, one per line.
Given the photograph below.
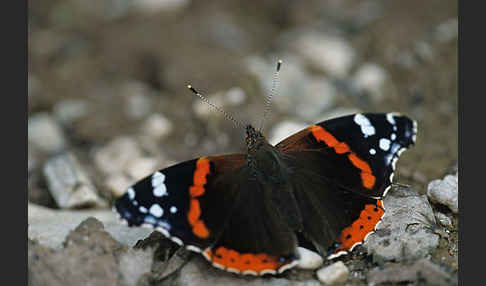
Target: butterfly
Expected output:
[245,212]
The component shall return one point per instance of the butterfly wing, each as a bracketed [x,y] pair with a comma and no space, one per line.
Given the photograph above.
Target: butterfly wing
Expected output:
[357,152]
[339,171]
[211,206]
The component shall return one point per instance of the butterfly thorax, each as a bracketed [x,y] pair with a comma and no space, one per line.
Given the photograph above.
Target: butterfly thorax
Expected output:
[263,159]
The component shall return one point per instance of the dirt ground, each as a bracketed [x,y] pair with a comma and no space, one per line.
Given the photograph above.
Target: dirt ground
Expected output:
[103,52]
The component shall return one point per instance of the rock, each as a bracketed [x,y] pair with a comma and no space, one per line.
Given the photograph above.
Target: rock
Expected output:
[118,184]
[110,263]
[137,102]
[284,129]
[235,96]
[331,54]
[402,233]
[447,31]
[45,134]
[443,219]
[117,155]
[333,274]
[423,271]
[141,168]
[68,183]
[370,79]
[152,6]
[70,110]
[50,227]
[309,259]
[157,126]
[445,192]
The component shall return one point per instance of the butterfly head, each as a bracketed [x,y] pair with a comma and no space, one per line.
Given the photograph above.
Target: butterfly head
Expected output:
[254,138]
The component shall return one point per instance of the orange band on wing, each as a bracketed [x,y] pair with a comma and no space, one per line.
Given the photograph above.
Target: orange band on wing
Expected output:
[241,262]
[196,190]
[323,135]
[365,224]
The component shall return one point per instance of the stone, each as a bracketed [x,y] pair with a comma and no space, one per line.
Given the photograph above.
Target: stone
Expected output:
[370,79]
[402,233]
[235,96]
[423,271]
[69,184]
[447,30]
[118,184]
[50,227]
[329,53]
[443,219]
[141,168]
[284,129]
[117,155]
[333,274]
[152,6]
[157,126]
[45,133]
[110,262]
[69,111]
[445,192]
[309,259]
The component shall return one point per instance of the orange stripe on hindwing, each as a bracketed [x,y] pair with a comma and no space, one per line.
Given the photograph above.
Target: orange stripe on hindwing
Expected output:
[197,189]
[323,135]
[241,262]
[365,224]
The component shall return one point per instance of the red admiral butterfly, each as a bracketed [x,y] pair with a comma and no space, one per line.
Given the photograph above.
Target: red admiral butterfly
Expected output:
[246,212]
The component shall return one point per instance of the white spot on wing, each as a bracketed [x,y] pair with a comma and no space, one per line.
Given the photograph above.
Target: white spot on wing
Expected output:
[143,209]
[173,209]
[372,151]
[131,193]
[389,118]
[160,190]
[393,136]
[385,144]
[156,210]
[157,179]
[365,125]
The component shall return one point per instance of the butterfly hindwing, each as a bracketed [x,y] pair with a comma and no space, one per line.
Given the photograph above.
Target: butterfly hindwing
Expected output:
[357,152]
[211,206]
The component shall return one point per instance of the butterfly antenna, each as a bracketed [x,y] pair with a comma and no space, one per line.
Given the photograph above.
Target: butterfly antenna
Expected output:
[226,114]
[268,99]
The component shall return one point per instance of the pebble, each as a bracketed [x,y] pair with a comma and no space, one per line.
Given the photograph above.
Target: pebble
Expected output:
[235,96]
[117,155]
[309,259]
[142,167]
[443,220]
[118,184]
[137,103]
[153,6]
[333,274]
[331,54]
[447,30]
[284,129]
[370,79]
[45,133]
[401,234]
[69,110]
[69,184]
[157,126]
[445,192]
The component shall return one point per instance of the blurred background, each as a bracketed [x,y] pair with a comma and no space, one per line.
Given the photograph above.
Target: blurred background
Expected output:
[108,102]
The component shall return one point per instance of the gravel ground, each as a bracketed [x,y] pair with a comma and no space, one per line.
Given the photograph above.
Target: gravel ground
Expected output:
[108,104]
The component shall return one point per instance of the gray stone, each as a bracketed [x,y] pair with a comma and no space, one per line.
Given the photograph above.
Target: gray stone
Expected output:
[117,155]
[71,110]
[284,129]
[118,184]
[329,53]
[69,184]
[308,259]
[335,273]
[401,234]
[157,126]
[110,262]
[50,227]
[370,79]
[445,192]
[443,219]
[45,134]
[447,30]
[142,167]
[424,270]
